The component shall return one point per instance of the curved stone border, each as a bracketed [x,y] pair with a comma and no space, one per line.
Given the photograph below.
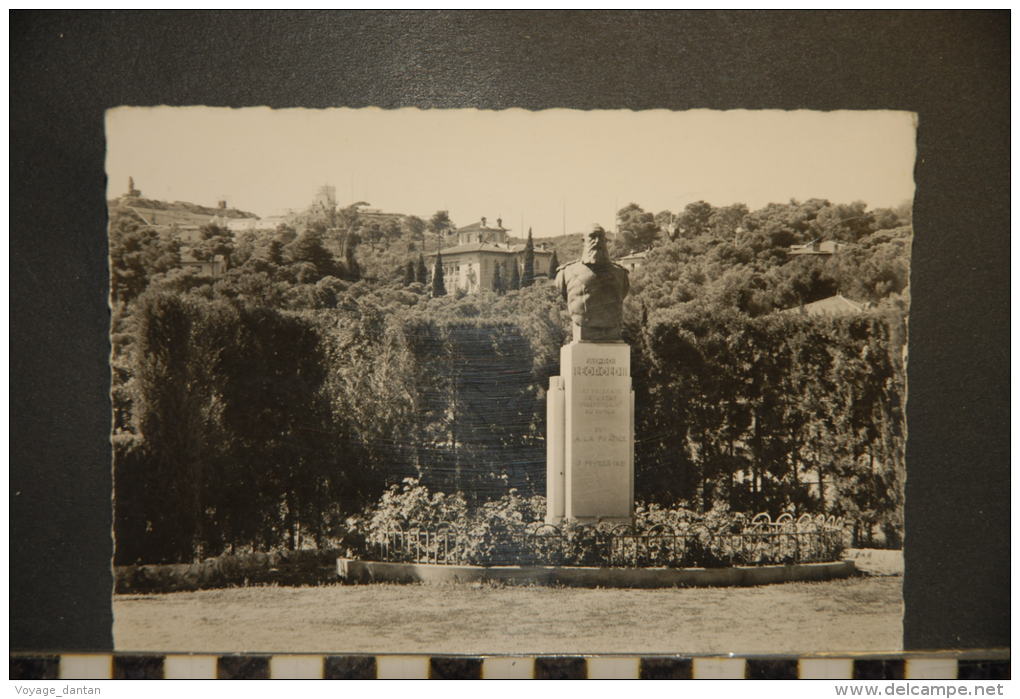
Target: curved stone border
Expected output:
[356,571]
[877,561]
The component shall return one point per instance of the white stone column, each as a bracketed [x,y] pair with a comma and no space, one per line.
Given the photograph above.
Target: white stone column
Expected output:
[554,451]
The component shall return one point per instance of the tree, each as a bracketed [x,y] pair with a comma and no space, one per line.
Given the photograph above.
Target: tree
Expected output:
[554,264]
[637,227]
[274,251]
[351,269]
[886,219]
[666,221]
[414,228]
[215,240]
[497,281]
[694,220]
[409,276]
[528,276]
[284,233]
[440,223]
[244,248]
[174,358]
[438,285]
[844,222]
[421,272]
[308,248]
[283,476]
[322,216]
[515,275]
[726,220]
[137,253]
[801,280]
[348,219]
[906,212]
[769,231]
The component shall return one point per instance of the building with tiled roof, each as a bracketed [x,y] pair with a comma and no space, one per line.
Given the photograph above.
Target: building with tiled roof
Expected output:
[633,261]
[837,305]
[481,232]
[471,264]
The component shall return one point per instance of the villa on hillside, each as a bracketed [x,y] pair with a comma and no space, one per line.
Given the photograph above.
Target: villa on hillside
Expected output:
[471,264]
[632,261]
[816,247]
[215,267]
[370,216]
[239,225]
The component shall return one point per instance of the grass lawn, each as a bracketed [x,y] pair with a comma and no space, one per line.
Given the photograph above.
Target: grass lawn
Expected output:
[857,614]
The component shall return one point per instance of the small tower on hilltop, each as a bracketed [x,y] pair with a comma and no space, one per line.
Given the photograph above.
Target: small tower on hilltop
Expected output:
[325,198]
[132,192]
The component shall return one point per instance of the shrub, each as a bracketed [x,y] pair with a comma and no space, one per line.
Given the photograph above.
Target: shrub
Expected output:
[410,505]
[306,567]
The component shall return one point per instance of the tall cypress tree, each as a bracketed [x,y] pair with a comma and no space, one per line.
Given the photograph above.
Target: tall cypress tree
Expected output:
[421,272]
[409,274]
[554,263]
[528,277]
[438,285]
[497,281]
[274,252]
[515,275]
[352,270]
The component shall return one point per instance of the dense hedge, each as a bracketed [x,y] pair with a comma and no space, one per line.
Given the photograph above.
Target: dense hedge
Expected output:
[783,412]
[255,428]
[252,428]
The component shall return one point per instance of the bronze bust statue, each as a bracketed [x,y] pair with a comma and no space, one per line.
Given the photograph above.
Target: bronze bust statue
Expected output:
[593,288]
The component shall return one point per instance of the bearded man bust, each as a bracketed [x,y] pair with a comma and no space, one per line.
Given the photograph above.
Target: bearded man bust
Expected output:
[594,288]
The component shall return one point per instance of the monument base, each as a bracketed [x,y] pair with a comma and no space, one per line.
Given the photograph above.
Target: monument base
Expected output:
[590,435]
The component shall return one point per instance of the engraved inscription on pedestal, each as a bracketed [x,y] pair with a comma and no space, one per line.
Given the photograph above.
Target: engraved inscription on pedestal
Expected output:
[598,431]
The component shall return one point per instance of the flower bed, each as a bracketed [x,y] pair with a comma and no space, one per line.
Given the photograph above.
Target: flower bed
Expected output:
[411,524]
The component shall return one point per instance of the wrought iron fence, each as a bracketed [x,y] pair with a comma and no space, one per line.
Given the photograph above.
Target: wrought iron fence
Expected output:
[763,541]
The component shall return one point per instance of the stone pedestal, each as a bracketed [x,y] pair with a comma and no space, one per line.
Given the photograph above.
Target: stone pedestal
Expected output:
[590,434]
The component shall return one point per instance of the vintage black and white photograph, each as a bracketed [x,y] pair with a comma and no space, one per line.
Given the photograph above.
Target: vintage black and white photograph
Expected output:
[509,382]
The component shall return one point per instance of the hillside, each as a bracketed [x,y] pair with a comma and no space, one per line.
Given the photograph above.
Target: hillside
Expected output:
[178,213]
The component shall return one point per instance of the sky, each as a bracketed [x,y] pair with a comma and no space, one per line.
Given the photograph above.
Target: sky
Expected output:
[555,171]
